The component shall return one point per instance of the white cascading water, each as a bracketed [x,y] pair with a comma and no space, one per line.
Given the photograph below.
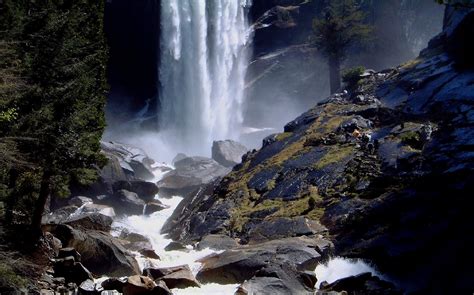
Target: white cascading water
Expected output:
[202,70]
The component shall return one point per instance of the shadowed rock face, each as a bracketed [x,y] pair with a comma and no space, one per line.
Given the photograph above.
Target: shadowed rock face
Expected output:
[387,168]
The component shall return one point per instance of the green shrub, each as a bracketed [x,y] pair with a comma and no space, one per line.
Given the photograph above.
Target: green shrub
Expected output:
[352,76]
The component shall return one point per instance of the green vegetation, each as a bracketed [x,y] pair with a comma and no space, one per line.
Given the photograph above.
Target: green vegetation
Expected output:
[52,99]
[8,277]
[334,155]
[352,76]
[283,136]
[341,26]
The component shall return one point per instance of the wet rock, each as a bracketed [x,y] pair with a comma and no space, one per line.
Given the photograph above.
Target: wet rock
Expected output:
[217,242]
[92,221]
[193,219]
[71,270]
[154,206]
[175,277]
[161,288]
[190,174]
[132,160]
[59,216]
[240,264]
[144,190]
[149,253]
[175,246]
[364,283]
[137,285]
[79,201]
[116,284]
[99,250]
[100,209]
[280,279]
[228,153]
[126,202]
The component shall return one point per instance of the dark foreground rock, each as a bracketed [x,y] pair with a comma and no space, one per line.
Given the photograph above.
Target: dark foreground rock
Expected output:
[280,264]
[228,153]
[179,277]
[99,251]
[364,283]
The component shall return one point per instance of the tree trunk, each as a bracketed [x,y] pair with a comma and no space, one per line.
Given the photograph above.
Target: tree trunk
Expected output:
[45,191]
[11,198]
[334,74]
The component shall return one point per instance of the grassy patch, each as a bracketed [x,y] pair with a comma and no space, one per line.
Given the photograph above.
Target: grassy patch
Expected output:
[283,136]
[8,277]
[334,155]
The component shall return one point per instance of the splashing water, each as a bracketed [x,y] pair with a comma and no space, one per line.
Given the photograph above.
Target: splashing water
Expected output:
[202,70]
[150,227]
[338,268]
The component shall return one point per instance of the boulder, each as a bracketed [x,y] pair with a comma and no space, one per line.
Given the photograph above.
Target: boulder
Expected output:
[114,284]
[59,216]
[364,283]
[154,206]
[279,280]
[99,250]
[228,153]
[96,208]
[190,174]
[179,277]
[71,270]
[133,161]
[125,202]
[217,242]
[242,263]
[79,201]
[137,285]
[91,221]
[161,288]
[149,253]
[144,190]
[175,246]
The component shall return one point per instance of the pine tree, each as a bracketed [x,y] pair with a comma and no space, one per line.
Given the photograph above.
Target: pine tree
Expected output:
[341,27]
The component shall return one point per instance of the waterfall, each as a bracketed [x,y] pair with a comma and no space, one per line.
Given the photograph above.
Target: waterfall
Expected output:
[202,70]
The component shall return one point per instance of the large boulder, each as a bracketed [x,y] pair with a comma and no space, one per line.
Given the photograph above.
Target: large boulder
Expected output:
[99,250]
[282,279]
[133,161]
[243,263]
[137,285]
[228,153]
[190,174]
[145,190]
[91,221]
[175,277]
[124,202]
[364,283]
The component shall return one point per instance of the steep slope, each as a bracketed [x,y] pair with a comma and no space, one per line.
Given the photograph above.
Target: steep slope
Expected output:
[386,167]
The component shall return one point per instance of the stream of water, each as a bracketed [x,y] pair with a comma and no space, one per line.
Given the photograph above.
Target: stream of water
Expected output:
[150,226]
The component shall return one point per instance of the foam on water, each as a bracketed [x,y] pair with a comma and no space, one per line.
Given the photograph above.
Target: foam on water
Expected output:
[338,268]
[150,226]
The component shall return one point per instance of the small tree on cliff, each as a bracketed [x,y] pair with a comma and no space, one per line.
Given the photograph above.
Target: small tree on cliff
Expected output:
[341,27]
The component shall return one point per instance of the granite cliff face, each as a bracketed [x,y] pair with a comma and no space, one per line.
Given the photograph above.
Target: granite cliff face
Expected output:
[386,168]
